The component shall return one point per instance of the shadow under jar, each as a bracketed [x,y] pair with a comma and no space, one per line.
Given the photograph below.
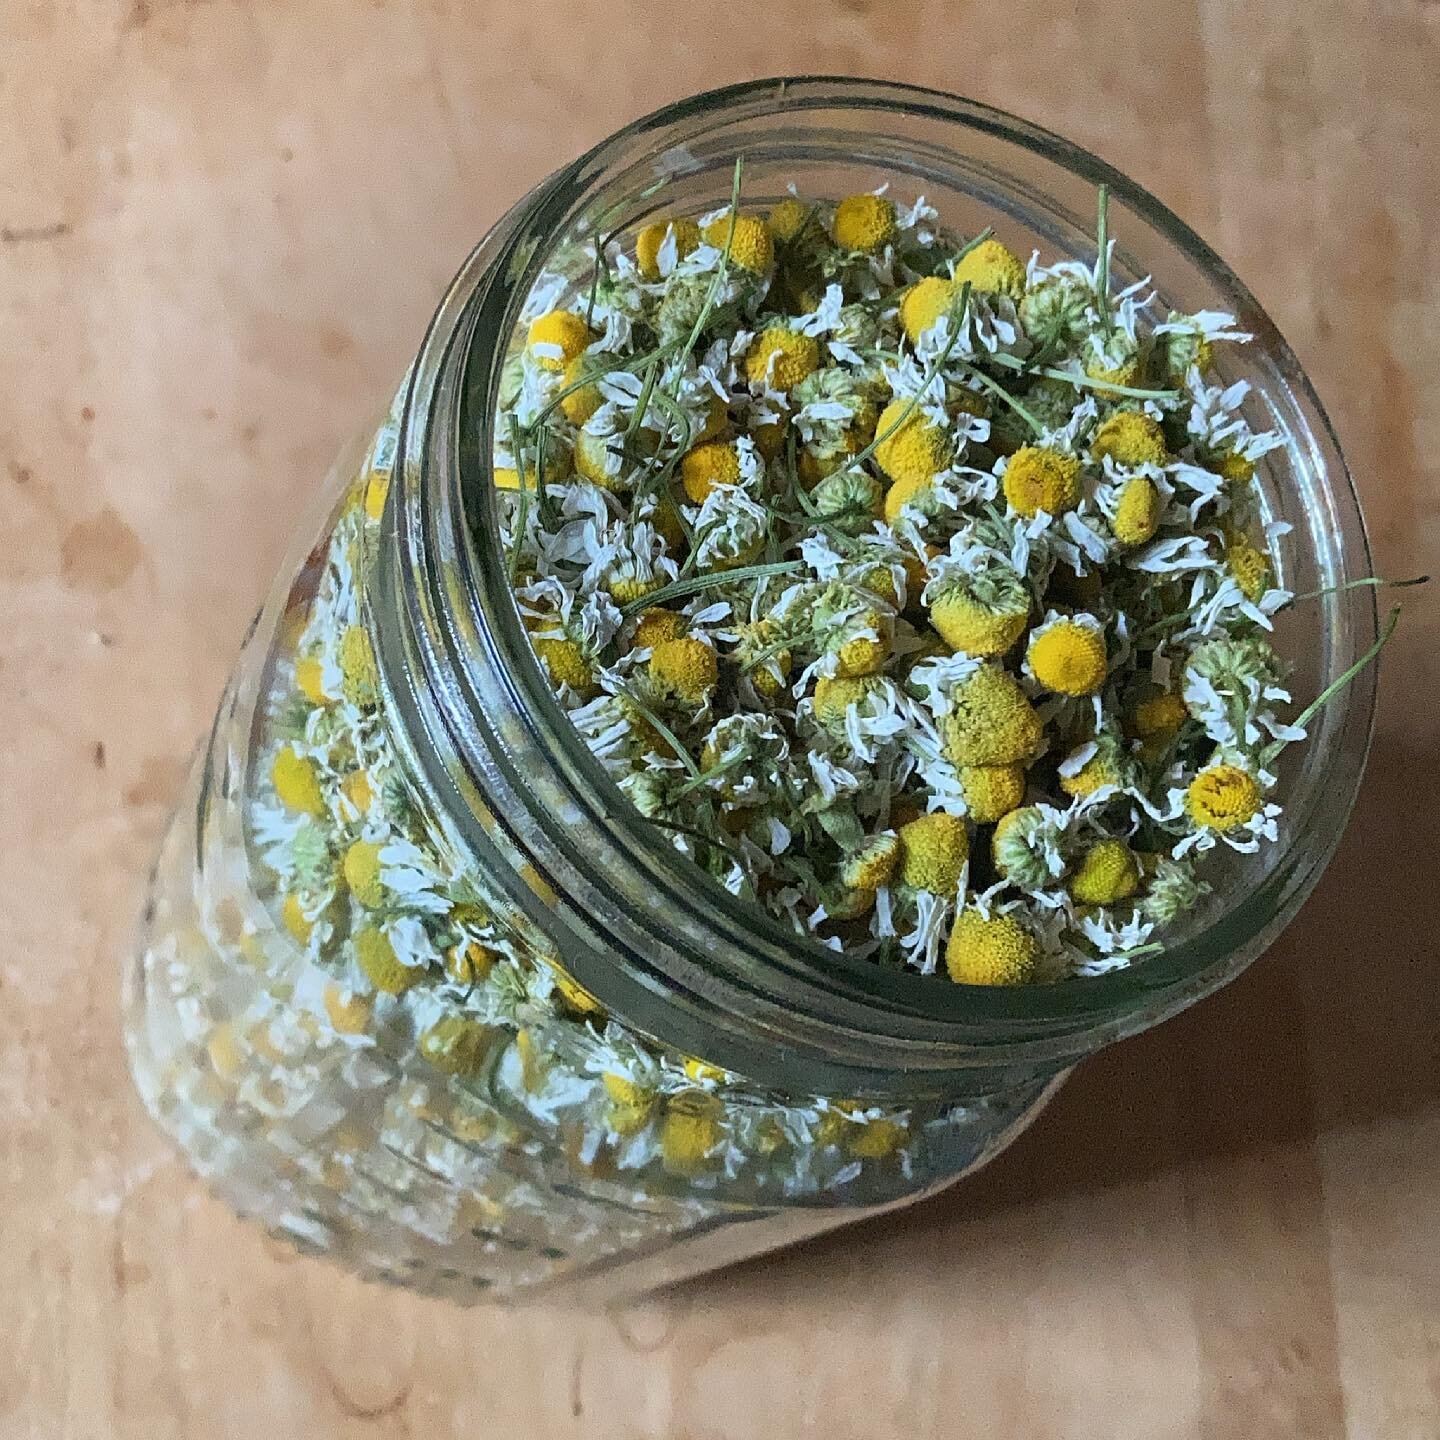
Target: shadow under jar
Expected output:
[606,1072]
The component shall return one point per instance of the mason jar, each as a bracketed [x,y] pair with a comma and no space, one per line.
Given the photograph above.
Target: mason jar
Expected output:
[489,1034]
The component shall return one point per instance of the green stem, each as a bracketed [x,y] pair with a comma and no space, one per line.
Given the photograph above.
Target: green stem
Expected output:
[660,727]
[1102,257]
[1338,684]
[995,387]
[696,583]
[1370,580]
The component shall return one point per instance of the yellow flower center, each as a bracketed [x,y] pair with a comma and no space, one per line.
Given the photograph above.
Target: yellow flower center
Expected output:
[1222,797]
[924,303]
[936,849]
[296,779]
[556,338]
[652,237]
[992,269]
[458,1045]
[781,358]
[1069,658]
[1130,438]
[991,722]
[690,1131]
[752,247]
[992,791]
[864,222]
[1108,873]
[580,403]
[912,451]
[684,669]
[1137,515]
[383,968]
[1037,478]
[715,463]
[993,950]
[968,626]
[362,873]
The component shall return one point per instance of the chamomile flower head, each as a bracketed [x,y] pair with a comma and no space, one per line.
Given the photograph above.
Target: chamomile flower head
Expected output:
[717,462]
[991,949]
[1097,764]
[935,848]
[1028,846]
[992,791]
[991,268]
[925,304]
[912,449]
[1223,797]
[1230,686]
[788,218]
[864,222]
[1138,508]
[661,244]
[684,670]
[1053,311]
[991,721]
[1037,478]
[1130,437]
[556,338]
[980,606]
[1067,654]
[1172,891]
[779,358]
[1250,565]
[752,246]
[1108,873]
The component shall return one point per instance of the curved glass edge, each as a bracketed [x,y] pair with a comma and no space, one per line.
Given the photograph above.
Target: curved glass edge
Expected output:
[800,995]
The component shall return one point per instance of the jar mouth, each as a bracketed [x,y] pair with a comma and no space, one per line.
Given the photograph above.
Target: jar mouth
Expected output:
[1019,174]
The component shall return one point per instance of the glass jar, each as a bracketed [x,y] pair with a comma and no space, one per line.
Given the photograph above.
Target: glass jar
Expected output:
[547,1048]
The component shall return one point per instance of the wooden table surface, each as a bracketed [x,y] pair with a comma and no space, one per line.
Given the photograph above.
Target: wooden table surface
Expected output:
[222,228]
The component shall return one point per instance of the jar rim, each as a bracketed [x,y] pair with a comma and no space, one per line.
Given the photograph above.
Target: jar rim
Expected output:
[932,1024]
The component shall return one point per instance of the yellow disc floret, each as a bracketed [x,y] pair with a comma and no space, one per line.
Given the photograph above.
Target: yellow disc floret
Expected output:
[874,864]
[359,678]
[292,916]
[362,873]
[1222,797]
[967,625]
[991,722]
[1159,716]
[780,358]
[653,626]
[991,950]
[835,695]
[788,218]
[457,1044]
[349,1011]
[752,247]
[864,222]
[565,663]
[1096,772]
[1038,478]
[1250,566]
[924,303]
[1137,512]
[296,779]
[992,269]
[913,449]
[652,237]
[383,968]
[556,338]
[992,791]
[684,669]
[936,849]
[715,463]
[578,404]
[631,1103]
[1108,873]
[1068,657]
[310,680]
[690,1131]
[1130,438]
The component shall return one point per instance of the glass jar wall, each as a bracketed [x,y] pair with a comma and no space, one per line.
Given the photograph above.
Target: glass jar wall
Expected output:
[417,991]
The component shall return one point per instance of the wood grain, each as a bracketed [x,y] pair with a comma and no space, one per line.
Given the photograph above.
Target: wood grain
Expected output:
[222,227]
